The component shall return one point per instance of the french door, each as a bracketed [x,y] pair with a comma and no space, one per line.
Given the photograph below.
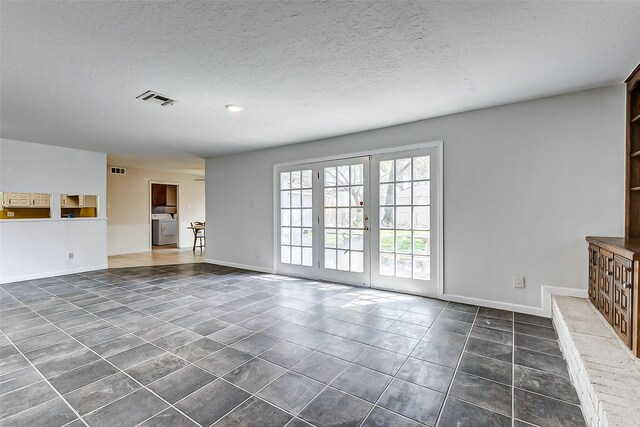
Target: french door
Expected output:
[368,221]
[344,242]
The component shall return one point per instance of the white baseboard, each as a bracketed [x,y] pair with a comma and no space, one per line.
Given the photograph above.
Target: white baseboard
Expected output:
[143,251]
[545,298]
[242,266]
[501,305]
[22,278]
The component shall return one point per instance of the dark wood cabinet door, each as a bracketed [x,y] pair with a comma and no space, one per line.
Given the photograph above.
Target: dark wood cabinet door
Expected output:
[593,275]
[605,283]
[622,298]
[158,194]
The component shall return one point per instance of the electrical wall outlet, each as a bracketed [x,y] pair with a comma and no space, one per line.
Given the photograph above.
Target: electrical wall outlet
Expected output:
[11,213]
[70,255]
[518,281]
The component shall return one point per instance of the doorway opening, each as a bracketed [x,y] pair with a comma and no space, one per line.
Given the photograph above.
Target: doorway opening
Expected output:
[164,216]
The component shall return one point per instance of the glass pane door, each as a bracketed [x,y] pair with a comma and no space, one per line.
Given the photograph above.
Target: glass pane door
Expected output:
[345,221]
[295,225]
[404,223]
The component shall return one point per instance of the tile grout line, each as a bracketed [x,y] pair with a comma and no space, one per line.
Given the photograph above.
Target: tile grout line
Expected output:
[46,381]
[123,292]
[327,385]
[105,360]
[143,386]
[316,350]
[400,368]
[455,371]
[313,351]
[352,362]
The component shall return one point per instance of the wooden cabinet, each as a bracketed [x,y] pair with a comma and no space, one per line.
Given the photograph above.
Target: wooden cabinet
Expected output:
[172,195]
[633,155]
[621,297]
[87,201]
[40,200]
[69,201]
[158,194]
[17,200]
[26,200]
[614,285]
[78,201]
[605,280]
[164,195]
[594,254]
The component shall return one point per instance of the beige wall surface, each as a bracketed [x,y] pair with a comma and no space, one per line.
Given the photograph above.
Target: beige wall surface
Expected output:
[128,196]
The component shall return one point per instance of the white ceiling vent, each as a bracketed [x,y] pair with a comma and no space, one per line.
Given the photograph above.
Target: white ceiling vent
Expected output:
[118,171]
[156,98]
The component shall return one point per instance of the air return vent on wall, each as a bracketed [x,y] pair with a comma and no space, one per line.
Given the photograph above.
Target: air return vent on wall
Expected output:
[156,98]
[118,171]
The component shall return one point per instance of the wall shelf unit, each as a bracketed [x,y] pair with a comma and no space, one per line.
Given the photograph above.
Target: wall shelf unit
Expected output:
[632,208]
[614,262]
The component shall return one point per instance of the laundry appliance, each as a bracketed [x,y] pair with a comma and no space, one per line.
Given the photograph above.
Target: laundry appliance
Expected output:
[164,229]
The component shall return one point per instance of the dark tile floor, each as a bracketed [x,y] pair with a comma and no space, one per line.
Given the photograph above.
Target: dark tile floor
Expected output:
[200,345]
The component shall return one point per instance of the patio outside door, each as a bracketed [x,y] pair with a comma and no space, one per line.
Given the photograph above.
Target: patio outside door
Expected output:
[369,221]
[405,246]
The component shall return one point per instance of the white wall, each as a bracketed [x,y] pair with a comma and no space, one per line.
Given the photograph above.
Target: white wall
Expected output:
[523,185]
[128,198]
[40,247]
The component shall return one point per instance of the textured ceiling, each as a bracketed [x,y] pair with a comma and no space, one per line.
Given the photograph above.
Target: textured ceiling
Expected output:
[70,71]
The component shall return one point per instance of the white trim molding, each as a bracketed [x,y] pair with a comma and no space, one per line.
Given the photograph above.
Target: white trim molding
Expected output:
[545,300]
[501,305]
[548,291]
[5,280]
[241,266]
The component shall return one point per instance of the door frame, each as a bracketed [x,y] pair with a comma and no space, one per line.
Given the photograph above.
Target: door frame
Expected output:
[439,144]
[150,211]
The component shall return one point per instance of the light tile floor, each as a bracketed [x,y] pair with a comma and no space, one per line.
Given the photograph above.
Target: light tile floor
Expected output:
[198,344]
[164,256]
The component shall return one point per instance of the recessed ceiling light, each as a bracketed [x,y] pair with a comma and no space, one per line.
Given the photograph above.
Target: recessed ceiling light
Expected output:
[234,108]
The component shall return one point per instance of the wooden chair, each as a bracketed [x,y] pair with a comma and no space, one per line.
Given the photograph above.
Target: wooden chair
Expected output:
[199,236]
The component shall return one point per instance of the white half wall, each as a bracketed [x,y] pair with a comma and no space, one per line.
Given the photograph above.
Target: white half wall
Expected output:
[523,185]
[32,248]
[128,208]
